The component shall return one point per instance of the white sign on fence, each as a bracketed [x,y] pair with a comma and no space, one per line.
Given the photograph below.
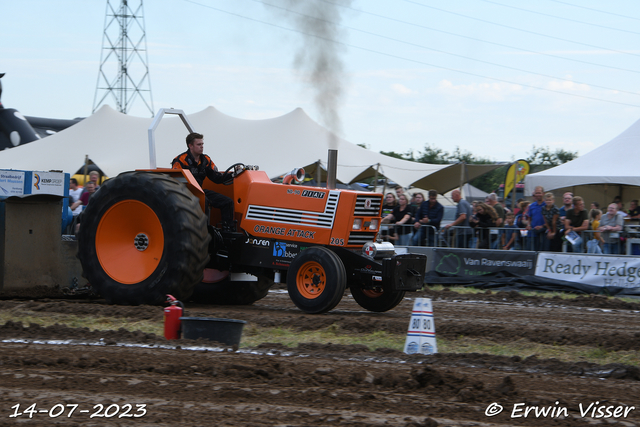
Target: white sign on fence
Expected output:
[11,183]
[590,269]
[48,183]
[421,336]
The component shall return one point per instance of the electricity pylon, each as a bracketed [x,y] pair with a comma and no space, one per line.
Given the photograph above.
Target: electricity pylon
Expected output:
[124,71]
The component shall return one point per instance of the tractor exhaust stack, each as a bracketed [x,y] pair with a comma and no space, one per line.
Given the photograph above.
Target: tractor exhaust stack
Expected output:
[332,166]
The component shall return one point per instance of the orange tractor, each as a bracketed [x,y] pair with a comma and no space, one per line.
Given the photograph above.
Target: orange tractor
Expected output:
[149,233]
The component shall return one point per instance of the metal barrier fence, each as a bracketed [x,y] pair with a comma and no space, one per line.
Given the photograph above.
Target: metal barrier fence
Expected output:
[512,238]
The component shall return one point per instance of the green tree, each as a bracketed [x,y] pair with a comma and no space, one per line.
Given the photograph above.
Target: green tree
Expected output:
[469,158]
[434,155]
[566,156]
[490,181]
[406,156]
[542,158]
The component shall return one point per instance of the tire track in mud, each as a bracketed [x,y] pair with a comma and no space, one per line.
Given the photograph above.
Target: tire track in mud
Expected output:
[326,384]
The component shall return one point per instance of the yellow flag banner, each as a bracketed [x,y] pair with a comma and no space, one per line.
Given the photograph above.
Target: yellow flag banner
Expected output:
[515,174]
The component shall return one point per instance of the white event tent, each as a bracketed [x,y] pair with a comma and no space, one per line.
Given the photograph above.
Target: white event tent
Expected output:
[117,142]
[600,175]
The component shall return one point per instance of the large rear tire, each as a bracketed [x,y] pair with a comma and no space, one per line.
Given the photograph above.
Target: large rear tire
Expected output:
[316,280]
[142,236]
[376,300]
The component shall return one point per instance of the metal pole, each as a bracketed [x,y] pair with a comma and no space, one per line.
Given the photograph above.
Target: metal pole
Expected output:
[154,124]
[515,186]
[86,169]
[462,182]
[375,179]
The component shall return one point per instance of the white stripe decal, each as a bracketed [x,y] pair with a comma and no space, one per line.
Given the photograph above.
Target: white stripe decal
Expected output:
[295,216]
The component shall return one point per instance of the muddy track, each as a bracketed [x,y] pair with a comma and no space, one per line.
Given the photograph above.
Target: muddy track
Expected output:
[326,384]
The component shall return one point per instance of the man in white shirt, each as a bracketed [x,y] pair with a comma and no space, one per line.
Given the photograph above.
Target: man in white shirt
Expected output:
[74,193]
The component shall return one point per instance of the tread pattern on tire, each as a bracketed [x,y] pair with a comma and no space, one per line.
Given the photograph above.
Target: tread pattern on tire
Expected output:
[185,238]
[385,302]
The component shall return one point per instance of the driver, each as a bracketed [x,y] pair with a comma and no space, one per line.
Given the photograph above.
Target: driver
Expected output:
[201,167]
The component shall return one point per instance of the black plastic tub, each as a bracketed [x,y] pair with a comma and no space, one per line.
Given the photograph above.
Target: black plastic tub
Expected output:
[224,331]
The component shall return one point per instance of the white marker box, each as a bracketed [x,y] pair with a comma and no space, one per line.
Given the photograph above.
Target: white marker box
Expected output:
[421,336]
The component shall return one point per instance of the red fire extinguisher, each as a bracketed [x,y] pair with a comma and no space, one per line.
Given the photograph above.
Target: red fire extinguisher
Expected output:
[172,316]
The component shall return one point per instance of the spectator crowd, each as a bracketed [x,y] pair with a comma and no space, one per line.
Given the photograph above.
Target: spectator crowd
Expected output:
[79,198]
[537,225]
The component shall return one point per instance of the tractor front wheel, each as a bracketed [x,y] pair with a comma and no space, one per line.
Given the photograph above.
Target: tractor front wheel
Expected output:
[316,280]
[142,236]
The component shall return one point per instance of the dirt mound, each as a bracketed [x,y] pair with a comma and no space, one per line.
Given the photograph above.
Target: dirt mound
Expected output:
[96,308]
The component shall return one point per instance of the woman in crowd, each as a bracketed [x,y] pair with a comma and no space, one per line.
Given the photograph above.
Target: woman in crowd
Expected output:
[389,203]
[551,215]
[484,218]
[387,216]
[401,216]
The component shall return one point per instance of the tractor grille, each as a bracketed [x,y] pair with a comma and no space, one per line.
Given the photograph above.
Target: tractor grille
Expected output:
[367,205]
[361,237]
[295,216]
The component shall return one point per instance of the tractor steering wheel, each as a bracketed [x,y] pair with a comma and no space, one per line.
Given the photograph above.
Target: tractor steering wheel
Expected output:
[238,171]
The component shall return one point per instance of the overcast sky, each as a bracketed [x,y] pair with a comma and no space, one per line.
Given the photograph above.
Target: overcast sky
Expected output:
[493,78]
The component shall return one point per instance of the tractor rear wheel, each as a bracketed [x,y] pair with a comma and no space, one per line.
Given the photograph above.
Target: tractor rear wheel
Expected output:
[376,300]
[316,280]
[142,236]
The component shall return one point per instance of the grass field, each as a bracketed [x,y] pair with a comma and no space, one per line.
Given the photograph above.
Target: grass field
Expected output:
[254,335]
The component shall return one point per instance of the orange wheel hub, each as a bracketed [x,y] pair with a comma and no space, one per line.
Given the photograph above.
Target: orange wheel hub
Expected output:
[311,280]
[129,242]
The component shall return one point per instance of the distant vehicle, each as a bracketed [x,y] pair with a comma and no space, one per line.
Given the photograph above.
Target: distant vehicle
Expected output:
[449,215]
[507,202]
